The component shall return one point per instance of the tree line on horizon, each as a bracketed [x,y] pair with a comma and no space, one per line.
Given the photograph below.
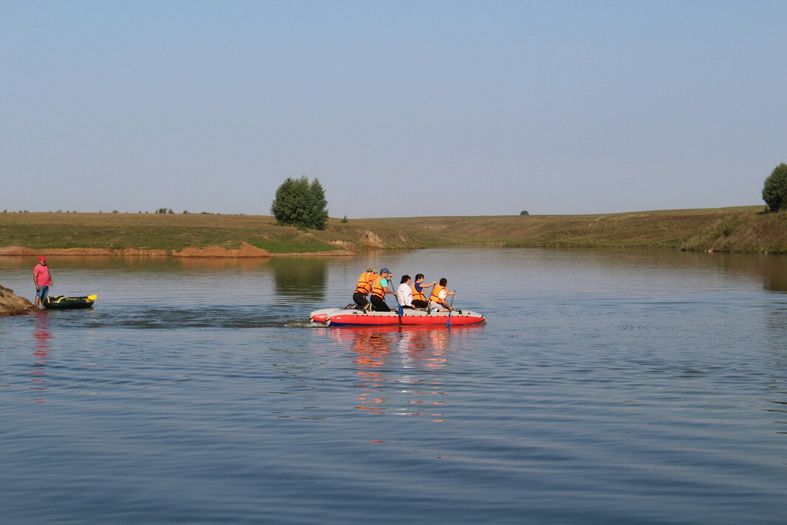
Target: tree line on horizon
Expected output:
[301,203]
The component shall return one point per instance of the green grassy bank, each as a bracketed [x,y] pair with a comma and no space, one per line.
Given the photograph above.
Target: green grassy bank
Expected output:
[742,229]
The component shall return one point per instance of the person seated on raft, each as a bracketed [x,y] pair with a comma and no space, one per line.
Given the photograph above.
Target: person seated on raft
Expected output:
[404,294]
[419,297]
[438,299]
[381,286]
[364,287]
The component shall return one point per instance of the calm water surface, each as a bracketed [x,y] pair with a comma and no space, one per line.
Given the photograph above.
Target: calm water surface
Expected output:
[631,387]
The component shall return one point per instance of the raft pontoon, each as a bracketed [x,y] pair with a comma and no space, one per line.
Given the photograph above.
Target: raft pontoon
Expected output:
[354,317]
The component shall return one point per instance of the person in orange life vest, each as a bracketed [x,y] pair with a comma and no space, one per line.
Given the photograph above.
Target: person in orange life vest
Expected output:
[438,300]
[419,296]
[42,280]
[381,286]
[364,287]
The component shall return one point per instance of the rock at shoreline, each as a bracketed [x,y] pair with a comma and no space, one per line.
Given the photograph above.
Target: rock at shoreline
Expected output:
[11,304]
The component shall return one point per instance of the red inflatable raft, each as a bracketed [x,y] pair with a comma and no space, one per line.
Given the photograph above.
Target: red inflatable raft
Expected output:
[350,317]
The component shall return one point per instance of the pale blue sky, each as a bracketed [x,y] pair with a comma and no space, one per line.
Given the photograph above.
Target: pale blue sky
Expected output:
[399,108]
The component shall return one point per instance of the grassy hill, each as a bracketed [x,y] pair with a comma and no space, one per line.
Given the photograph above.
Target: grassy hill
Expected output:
[741,229]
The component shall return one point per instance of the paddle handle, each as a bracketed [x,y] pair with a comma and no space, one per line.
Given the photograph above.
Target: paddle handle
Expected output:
[451,304]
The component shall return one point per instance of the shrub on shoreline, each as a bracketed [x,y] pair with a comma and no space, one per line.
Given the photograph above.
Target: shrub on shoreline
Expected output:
[774,192]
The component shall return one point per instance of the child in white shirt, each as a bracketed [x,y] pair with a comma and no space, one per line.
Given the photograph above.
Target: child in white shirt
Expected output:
[404,294]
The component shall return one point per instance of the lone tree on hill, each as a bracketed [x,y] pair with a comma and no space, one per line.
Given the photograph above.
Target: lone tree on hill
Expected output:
[300,203]
[774,193]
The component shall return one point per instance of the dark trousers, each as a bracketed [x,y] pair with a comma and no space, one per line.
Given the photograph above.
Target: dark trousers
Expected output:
[378,305]
[360,300]
[420,304]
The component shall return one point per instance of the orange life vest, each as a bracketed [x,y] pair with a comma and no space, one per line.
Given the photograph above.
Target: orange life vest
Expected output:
[378,290]
[418,296]
[435,297]
[364,284]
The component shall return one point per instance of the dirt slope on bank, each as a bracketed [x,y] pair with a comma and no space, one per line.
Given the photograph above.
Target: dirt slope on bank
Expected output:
[11,304]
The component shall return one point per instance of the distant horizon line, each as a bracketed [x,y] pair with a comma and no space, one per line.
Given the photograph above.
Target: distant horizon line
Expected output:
[170,211]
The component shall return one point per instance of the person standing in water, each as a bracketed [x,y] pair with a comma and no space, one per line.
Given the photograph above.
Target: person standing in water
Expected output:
[42,280]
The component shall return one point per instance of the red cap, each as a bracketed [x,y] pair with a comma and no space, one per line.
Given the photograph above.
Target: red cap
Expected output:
[42,259]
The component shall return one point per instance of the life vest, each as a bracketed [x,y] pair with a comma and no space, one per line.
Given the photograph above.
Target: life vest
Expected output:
[364,284]
[418,296]
[435,296]
[377,288]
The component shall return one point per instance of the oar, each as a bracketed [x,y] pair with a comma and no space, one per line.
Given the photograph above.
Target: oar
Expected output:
[451,303]
[399,309]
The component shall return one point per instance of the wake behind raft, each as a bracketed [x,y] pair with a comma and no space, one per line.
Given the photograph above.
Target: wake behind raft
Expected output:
[353,317]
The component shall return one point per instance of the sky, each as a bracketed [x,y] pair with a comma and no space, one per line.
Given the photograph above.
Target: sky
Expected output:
[410,108]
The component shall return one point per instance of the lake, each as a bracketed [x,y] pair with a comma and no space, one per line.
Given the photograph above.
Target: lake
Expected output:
[606,386]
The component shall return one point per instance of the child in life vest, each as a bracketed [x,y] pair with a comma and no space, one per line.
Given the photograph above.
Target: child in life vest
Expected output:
[438,300]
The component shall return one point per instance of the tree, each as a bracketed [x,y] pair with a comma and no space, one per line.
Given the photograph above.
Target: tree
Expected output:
[524,213]
[318,211]
[291,202]
[774,192]
[300,203]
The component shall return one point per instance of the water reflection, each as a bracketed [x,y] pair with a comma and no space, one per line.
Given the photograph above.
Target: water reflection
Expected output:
[771,270]
[137,263]
[372,349]
[774,273]
[399,369]
[775,336]
[42,336]
[307,277]
[221,263]
[300,278]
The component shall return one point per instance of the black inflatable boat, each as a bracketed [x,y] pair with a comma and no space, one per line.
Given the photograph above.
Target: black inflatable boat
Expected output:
[62,302]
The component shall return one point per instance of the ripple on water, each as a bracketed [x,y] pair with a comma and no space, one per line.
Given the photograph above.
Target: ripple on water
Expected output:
[606,387]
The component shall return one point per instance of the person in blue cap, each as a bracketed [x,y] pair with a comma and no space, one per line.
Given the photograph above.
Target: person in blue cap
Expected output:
[380,287]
